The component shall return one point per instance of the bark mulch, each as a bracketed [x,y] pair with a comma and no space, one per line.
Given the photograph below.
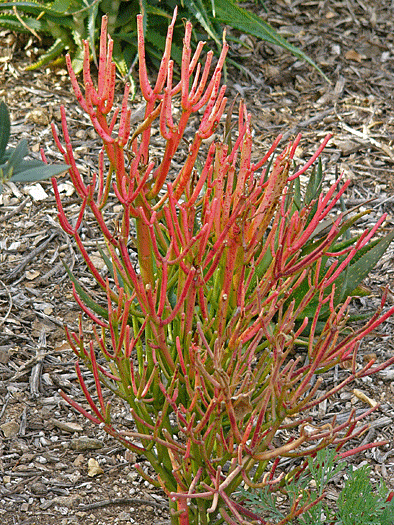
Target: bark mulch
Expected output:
[54,466]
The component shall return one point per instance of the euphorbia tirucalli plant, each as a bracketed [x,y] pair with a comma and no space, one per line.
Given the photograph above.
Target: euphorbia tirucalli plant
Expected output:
[199,337]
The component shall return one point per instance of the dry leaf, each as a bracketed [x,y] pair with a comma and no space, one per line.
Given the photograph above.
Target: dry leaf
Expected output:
[352,54]
[94,468]
[32,274]
[347,364]
[368,357]
[364,398]
[65,345]
[242,406]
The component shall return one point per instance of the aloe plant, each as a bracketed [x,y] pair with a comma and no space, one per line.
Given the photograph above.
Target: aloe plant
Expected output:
[69,22]
[356,262]
[12,164]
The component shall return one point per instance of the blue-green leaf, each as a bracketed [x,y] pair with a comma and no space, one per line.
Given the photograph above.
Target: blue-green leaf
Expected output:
[45,171]
[5,126]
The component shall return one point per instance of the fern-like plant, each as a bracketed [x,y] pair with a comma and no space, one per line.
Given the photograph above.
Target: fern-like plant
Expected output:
[359,503]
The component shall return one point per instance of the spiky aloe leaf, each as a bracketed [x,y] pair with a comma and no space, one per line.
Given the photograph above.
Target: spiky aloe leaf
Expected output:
[110,266]
[92,27]
[87,299]
[61,5]
[315,183]
[36,16]
[204,18]
[228,12]
[53,52]
[361,266]
[347,284]
[36,8]
[318,235]
[44,18]
[5,127]
[111,7]
[29,25]
[119,59]
[79,20]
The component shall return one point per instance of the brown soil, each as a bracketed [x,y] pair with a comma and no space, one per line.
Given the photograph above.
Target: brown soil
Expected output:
[44,445]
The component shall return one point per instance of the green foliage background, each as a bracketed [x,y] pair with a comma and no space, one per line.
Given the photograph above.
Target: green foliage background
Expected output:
[69,22]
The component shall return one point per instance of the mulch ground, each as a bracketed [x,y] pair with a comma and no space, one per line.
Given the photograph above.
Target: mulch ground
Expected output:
[47,451]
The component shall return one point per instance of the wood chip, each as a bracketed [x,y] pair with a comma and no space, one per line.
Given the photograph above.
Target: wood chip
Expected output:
[67,426]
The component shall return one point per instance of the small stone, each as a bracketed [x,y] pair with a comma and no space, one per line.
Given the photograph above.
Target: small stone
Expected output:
[67,501]
[133,475]
[4,355]
[79,460]
[10,429]
[74,477]
[24,507]
[124,516]
[61,466]
[94,468]
[85,443]
[38,489]
[37,192]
